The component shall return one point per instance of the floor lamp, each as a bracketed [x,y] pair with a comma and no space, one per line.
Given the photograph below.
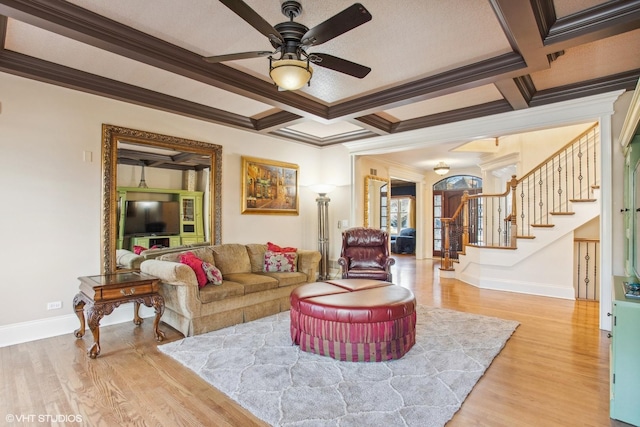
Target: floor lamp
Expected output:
[323,228]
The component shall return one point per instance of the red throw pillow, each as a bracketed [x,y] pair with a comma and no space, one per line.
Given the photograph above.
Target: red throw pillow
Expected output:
[138,249]
[275,248]
[196,265]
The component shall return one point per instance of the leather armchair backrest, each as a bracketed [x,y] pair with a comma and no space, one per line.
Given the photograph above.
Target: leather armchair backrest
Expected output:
[365,247]
[360,236]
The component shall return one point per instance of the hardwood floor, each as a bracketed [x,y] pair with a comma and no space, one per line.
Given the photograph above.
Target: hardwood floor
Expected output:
[554,371]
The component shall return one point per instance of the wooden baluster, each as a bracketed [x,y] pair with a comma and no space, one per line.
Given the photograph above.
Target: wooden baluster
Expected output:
[447,264]
[514,212]
[465,220]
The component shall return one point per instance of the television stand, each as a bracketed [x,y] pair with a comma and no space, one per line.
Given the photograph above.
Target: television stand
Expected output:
[149,241]
[159,241]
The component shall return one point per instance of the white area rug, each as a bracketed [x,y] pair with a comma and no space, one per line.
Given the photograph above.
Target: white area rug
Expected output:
[257,366]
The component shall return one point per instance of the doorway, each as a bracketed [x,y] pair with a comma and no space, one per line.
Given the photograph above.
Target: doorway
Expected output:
[402,217]
[447,196]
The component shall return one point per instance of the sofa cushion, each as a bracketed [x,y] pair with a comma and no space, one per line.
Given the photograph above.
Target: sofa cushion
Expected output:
[252,282]
[288,279]
[256,256]
[227,289]
[232,258]
[284,262]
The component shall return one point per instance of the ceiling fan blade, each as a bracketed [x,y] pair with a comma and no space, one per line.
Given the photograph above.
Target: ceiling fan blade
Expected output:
[339,64]
[235,56]
[350,18]
[251,16]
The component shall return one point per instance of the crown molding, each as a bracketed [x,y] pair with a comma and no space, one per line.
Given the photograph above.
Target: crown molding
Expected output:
[631,125]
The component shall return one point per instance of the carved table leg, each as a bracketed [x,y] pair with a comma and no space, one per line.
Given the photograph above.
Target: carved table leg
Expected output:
[137,320]
[78,306]
[94,315]
[158,305]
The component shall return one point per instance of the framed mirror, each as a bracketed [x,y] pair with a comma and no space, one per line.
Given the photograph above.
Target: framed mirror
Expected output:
[204,155]
[376,202]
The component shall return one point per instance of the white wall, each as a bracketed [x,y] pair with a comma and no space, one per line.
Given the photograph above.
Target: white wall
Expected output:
[50,221]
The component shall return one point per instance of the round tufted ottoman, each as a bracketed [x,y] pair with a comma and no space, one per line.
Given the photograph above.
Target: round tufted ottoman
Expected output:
[357,320]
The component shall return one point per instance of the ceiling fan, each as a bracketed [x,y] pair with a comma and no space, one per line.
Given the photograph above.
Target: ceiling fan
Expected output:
[290,63]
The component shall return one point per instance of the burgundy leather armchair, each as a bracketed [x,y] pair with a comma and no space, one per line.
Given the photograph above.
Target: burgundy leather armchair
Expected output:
[365,254]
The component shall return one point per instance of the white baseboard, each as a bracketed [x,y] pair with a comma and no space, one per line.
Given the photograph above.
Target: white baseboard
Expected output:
[33,330]
[522,287]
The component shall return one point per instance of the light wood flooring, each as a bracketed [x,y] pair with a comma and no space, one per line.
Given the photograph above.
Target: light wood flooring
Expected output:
[554,371]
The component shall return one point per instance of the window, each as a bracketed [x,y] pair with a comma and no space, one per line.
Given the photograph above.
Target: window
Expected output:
[384,209]
[437,223]
[401,214]
[447,196]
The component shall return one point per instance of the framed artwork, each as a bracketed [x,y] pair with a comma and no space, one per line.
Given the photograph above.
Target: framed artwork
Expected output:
[269,187]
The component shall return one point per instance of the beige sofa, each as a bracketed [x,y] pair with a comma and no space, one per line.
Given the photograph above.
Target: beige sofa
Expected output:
[247,293]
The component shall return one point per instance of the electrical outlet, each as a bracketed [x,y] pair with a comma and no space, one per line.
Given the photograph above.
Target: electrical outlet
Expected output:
[54,305]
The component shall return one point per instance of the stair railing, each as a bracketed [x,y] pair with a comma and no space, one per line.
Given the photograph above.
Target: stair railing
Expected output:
[498,220]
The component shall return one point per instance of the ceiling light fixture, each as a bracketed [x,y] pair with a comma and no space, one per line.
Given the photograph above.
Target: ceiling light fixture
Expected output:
[290,74]
[441,168]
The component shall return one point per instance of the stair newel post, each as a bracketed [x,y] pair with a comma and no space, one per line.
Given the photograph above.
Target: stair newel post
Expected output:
[446,261]
[514,212]
[465,221]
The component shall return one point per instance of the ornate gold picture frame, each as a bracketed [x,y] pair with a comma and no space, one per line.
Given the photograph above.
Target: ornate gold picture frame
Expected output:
[269,187]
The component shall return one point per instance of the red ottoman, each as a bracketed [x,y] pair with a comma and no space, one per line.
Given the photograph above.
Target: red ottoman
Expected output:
[357,320]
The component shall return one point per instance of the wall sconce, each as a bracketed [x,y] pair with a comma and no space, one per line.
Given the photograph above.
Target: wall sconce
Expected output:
[441,168]
[323,227]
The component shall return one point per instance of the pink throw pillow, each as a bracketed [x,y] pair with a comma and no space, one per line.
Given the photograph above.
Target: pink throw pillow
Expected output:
[196,265]
[138,249]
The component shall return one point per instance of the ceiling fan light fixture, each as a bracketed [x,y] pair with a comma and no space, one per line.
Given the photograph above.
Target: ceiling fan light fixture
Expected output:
[441,168]
[290,74]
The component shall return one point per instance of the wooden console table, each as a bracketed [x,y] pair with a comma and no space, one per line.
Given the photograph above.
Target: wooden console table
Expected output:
[102,294]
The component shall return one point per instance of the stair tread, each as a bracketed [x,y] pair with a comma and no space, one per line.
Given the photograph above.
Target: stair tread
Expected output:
[562,213]
[492,247]
[525,237]
[543,225]
[582,200]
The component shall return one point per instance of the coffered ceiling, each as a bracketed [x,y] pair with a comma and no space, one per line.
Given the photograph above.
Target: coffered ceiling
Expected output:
[433,62]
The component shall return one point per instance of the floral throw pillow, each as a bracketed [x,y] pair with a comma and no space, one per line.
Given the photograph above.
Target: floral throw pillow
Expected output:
[214,275]
[282,262]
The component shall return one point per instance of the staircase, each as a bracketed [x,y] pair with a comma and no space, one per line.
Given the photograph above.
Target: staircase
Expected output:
[523,240]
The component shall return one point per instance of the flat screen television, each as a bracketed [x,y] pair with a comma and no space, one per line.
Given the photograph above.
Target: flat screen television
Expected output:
[148,218]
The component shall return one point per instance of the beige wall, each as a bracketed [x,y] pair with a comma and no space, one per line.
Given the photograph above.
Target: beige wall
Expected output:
[51,179]
[50,221]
